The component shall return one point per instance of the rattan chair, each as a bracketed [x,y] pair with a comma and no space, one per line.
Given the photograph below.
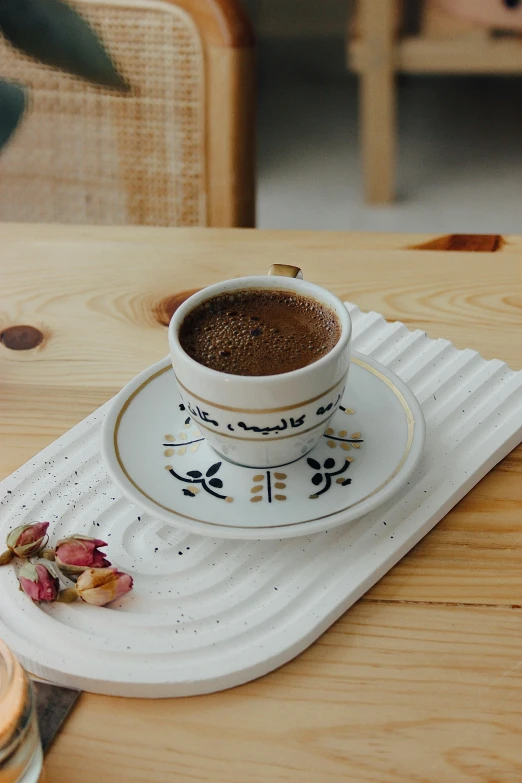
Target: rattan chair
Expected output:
[178,151]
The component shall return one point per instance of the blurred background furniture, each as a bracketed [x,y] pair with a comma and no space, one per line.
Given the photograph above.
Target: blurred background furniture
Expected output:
[177,151]
[448,37]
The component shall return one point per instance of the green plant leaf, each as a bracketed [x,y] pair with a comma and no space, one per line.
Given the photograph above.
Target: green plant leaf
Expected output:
[53,33]
[13,102]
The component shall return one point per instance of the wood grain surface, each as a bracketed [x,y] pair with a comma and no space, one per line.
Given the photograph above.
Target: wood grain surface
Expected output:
[422,679]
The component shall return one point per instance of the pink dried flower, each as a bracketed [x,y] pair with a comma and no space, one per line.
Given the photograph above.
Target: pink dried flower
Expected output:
[76,553]
[27,540]
[39,582]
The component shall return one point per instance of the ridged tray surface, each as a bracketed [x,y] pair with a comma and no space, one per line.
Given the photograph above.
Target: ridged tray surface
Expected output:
[210,614]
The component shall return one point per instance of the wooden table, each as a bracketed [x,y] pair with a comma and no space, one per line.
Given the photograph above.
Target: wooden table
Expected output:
[422,679]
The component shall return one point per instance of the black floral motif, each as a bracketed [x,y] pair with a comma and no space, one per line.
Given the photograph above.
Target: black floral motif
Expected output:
[324,474]
[197,477]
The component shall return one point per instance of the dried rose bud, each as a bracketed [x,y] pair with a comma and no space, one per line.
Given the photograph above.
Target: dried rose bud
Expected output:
[27,540]
[39,582]
[76,553]
[100,586]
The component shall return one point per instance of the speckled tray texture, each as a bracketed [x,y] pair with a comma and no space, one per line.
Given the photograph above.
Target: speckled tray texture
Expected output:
[210,614]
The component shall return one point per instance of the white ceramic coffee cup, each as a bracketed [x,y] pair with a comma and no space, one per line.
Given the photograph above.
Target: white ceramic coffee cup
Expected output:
[268,420]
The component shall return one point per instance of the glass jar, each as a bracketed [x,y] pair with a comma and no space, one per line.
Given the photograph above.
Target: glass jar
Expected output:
[20,749]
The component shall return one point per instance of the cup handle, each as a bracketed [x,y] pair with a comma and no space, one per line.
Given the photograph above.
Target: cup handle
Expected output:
[285,270]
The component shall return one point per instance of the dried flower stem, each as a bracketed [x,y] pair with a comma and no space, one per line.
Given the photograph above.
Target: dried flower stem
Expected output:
[67,596]
[6,557]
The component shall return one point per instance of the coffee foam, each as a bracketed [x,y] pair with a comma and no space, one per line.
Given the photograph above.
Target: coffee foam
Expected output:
[259,332]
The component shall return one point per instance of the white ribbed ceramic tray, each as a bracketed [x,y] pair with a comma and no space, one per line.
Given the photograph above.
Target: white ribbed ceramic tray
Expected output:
[210,614]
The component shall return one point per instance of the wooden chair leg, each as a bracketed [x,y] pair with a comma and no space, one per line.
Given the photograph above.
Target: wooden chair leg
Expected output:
[377,89]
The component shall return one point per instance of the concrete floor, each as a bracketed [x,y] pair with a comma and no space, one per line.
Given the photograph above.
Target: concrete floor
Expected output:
[459,161]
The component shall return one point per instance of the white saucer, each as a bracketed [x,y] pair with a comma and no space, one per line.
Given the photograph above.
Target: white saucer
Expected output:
[159,458]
